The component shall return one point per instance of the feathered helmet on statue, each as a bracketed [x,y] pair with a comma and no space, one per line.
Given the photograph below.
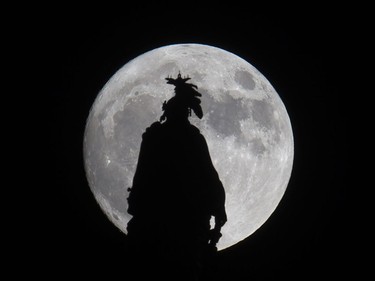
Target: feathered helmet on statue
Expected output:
[186,99]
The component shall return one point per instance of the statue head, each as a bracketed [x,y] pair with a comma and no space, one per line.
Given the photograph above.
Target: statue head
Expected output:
[186,99]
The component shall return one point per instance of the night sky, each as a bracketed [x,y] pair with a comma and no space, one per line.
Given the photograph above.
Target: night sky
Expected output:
[75,51]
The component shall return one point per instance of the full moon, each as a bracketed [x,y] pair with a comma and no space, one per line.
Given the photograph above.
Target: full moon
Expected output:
[245,124]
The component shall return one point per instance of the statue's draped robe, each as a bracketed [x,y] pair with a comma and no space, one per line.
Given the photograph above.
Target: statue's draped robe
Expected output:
[175,191]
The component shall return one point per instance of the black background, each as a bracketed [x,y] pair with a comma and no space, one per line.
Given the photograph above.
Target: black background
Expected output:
[71,53]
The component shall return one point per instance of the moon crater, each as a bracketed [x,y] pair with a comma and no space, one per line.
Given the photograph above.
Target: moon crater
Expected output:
[245,79]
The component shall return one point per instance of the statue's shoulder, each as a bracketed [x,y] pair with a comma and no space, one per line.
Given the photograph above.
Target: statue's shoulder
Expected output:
[194,129]
[152,129]
[196,133]
[154,126]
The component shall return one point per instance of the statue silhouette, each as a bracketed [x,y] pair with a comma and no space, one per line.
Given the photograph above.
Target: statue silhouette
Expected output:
[176,191]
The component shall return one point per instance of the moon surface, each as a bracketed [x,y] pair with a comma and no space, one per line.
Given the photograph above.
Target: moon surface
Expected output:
[245,123]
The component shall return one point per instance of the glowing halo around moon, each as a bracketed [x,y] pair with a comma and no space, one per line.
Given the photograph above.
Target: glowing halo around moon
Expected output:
[245,123]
